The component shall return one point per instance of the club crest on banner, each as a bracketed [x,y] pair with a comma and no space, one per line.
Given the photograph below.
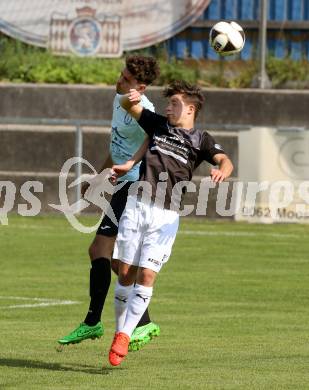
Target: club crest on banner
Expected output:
[86,34]
[102,28]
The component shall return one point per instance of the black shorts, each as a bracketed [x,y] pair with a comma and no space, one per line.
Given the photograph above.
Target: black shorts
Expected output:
[117,203]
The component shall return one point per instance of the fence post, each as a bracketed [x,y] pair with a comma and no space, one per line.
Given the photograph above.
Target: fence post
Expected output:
[263,79]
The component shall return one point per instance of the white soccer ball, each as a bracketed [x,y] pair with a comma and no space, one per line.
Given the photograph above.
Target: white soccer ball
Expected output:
[227,38]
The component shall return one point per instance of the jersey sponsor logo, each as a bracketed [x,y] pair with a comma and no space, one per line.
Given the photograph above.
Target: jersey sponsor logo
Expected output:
[169,153]
[177,138]
[173,146]
[174,143]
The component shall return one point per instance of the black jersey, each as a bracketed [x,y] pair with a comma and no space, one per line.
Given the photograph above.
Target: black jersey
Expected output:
[175,151]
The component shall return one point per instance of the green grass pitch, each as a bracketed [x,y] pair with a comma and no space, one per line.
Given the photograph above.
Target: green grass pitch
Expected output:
[232,303]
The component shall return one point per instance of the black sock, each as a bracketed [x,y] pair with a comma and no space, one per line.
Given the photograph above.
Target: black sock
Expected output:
[100,280]
[145,319]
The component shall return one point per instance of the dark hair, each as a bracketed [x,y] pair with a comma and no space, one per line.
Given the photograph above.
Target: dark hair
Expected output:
[143,69]
[191,93]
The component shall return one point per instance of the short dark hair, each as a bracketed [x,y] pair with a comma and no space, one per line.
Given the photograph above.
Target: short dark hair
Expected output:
[192,94]
[143,69]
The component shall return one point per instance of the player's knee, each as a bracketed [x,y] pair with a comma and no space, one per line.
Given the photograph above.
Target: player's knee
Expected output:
[96,250]
[92,251]
[124,279]
[115,266]
[146,277]
[101,247]
[126,275]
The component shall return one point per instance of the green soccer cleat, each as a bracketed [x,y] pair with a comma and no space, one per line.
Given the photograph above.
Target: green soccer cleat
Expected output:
[143,335]
[81,333]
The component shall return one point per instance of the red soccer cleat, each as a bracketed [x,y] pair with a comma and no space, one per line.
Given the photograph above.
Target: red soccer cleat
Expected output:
[119,348]
[115,359]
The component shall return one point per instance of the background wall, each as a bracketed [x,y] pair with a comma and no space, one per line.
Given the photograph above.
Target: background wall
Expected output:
[288,29]
[31,151]
[222,106]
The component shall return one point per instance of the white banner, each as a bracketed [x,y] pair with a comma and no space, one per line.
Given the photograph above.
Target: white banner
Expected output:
[102,28]
[275,165]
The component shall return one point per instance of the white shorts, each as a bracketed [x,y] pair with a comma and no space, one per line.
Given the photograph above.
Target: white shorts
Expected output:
[146,235]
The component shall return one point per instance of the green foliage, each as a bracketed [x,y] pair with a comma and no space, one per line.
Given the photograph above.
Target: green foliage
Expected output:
[245,76]
[283,71]
[23,63]
[177,70]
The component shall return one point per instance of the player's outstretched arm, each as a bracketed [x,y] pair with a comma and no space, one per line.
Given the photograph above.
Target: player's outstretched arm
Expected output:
[131,103]
[122,169]
[225,168]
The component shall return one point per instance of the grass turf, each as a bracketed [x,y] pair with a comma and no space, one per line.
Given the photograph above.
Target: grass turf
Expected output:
[232,303]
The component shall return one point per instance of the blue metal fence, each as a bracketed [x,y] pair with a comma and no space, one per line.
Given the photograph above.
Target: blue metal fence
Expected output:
[287,33]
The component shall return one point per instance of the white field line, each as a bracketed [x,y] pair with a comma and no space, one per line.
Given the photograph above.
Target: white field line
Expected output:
[41,302]
[230,233]
[38,227]
[236,234]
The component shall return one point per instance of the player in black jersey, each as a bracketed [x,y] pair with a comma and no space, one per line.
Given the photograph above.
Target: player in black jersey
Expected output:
[149,224]
[126,137]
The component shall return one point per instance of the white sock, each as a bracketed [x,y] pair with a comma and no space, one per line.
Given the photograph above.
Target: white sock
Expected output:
[121,298]
[138,303]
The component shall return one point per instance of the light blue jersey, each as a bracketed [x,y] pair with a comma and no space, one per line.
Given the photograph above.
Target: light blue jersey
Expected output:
[127,136]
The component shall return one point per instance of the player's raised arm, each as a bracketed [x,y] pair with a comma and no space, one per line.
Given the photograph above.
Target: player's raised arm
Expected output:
[131,103]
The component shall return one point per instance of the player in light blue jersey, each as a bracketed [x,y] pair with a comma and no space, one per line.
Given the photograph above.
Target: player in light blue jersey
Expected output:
[126,138]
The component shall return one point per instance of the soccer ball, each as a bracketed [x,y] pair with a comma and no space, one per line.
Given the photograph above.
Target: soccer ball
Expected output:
[227,38]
